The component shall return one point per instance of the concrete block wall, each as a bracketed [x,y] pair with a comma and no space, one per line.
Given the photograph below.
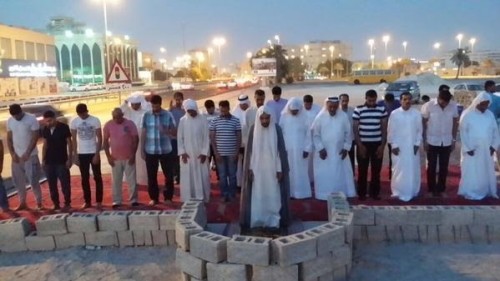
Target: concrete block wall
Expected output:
[315,254]
[426,224]
[106,229]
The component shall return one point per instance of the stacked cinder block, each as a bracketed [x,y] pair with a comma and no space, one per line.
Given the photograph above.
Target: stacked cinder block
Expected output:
[109,228]
[320,253]
[427,224]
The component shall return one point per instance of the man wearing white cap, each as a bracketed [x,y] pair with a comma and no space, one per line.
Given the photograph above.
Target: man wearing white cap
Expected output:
[332,135]
[480,139]
[193,149]
[240,113]
[133,109]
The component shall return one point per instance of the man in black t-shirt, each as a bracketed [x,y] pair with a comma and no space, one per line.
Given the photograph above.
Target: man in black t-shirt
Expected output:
[57,158]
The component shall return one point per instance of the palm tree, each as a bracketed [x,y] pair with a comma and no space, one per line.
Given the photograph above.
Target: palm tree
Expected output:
[461,59]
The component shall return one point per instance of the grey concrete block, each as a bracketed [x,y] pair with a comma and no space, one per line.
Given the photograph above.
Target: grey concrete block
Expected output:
[101,238]
[457,215]
[51,225]
[144,220]
[293,249]
[159,237]
[326,277]
[486,215]
[275,273]
[328,237]
[463,234]
[411,233]
[424,215]
[190,264]
[167,219]
[313,269]
[342,256]
[139,237]
[209,246]
[360,234]
[17,245]
[148,238]
[40,243]
[363,215]
[82,222]
[171,238]
[227,272]
[69,240]
[113,221]
[183,232]
[14,229]
[447,234]
[345,219]
[376,233]
[340,274]
[494,234]
[394,233]
[479,233]
[429,234]
[390,215]
[125,238]
[249,250]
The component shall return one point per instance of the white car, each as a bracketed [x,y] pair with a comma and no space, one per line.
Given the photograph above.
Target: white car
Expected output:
[470,87]
[79,87]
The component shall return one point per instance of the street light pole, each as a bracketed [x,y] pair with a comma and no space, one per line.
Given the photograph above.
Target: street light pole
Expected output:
[107,62]
[404,47]
[332,48]
[472,41]
[371,42]
[459,37]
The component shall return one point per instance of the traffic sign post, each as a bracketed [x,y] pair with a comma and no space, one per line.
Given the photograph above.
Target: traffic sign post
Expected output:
[118,75]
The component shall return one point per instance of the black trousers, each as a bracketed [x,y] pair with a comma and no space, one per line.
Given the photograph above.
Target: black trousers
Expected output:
[85,164]
[167,165]
[435,154]
[55,172]
[176,161]
[351,156]
[372,160]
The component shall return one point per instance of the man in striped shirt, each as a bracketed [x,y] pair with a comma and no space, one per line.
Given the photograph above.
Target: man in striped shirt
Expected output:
[370,132]
[225,137]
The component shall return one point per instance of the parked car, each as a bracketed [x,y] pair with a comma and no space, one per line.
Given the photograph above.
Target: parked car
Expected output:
[79,87]
[472,87]
[398,87]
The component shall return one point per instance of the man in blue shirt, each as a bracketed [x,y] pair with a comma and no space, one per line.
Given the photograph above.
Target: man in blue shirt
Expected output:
[489,87]
[158,127]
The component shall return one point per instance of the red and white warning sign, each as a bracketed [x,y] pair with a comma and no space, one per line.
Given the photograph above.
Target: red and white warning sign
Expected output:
[117,74]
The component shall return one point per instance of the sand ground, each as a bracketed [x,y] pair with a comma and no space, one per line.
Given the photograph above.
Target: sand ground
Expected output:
[402,262]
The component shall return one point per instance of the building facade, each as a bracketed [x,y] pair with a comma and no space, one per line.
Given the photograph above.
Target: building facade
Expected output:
[316,52]
[86,57]
[27,62]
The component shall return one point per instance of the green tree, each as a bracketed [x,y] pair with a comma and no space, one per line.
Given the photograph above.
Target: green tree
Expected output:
[296,68]
[461,59]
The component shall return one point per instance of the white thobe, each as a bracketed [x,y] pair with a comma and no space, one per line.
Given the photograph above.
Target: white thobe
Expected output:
[250,114]
[297,137]
[140,165]
[311,115]
[478,132]
[193,139]
[241,115]
[333,174]
[266,192]
[405,132]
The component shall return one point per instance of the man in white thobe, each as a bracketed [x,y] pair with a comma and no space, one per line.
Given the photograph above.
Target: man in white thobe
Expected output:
[239,112]
[265,171]
[405,135]
[250,113]
[332,135]
[193,148]
[311,110]
[480,139]
[133,109]
[293,123]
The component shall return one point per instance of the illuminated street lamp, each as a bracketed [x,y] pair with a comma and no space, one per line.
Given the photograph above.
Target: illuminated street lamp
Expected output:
[459,37]
[371,42]
[405,44]
[331,48]
[306,48]
[249,55]
[219,42]
[277,38]
[472,41]
[386,39]
[372,57]
[200,57]
[437,45]
[162,50]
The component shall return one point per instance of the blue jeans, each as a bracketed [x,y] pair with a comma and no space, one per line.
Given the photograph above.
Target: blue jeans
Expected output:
[227,166]
[4,201]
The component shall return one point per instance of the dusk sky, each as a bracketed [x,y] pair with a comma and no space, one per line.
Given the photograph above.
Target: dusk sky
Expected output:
[247,25]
